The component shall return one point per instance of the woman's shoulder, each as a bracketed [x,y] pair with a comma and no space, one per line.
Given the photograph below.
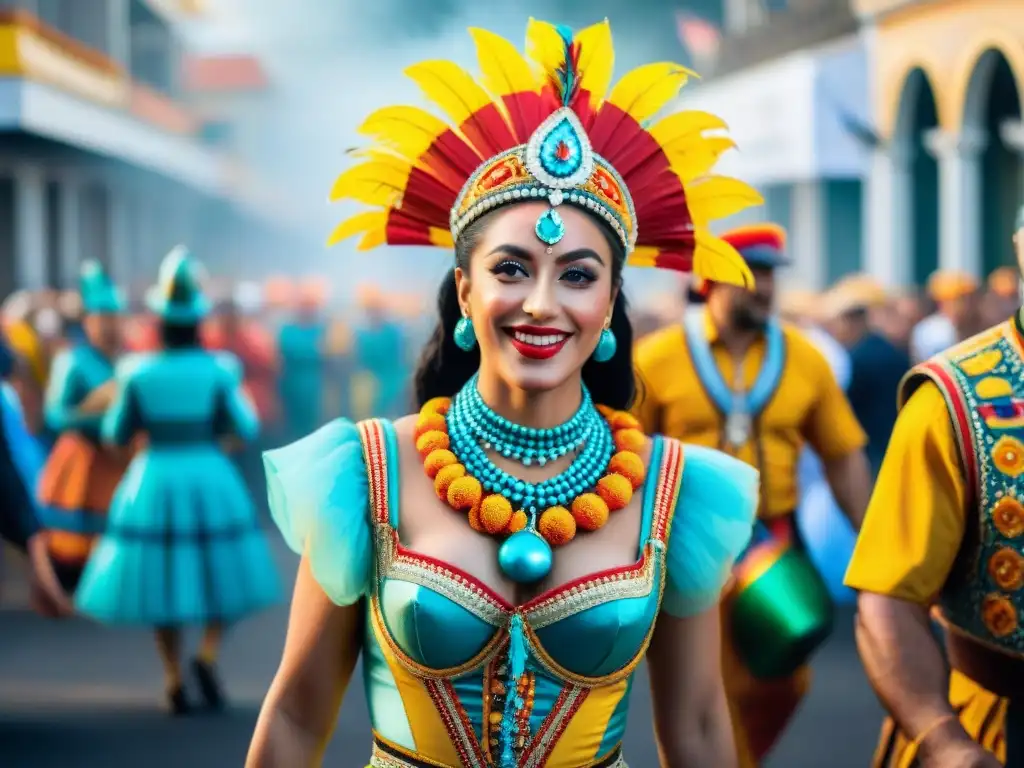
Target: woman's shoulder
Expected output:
[714,516]
[319,499]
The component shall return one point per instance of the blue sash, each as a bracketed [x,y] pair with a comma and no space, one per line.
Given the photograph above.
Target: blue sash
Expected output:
[723,395]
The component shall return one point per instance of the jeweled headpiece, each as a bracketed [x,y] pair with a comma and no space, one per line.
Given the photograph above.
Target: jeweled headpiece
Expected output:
[544,130]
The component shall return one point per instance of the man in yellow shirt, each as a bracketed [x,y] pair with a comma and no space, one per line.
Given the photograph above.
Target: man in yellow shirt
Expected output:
[944,537]
[732,377]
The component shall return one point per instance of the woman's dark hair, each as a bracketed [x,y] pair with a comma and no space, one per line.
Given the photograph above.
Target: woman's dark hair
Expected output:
[179,336]
[444,369]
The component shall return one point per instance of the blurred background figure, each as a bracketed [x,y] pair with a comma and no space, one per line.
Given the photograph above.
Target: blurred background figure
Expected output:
[184,546]
[301,347]
[954,295]
[1001,297]
[382,384]
[80,476]
[852,308]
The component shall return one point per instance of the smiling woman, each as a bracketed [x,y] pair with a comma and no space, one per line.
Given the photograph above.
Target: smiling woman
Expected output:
[503,558]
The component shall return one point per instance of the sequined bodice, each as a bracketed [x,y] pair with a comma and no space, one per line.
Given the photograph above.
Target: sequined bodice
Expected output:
[983,382]
[448,631]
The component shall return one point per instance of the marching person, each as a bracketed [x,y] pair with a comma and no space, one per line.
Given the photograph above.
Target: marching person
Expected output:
[733,377]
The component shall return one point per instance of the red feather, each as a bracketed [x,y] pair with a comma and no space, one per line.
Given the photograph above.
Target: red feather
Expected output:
[488,132]
[526,111]
[403,230]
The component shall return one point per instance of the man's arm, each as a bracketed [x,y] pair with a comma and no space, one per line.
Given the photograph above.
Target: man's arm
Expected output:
[906,548]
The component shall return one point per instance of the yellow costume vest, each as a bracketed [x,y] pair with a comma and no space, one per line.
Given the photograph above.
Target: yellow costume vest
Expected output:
[982,602]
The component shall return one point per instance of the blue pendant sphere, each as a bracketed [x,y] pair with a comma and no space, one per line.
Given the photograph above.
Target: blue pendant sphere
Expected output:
[525,557]
[550,228]
[465,334]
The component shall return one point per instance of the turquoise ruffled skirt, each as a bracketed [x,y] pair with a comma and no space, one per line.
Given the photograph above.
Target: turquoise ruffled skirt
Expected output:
[182,546]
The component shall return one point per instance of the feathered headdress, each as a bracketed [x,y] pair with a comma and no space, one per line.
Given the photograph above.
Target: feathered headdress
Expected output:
[546,128]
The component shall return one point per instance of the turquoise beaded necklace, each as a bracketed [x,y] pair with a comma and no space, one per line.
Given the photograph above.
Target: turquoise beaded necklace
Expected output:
[474,428]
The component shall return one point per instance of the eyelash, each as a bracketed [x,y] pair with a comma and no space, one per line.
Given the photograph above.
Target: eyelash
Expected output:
[508,268]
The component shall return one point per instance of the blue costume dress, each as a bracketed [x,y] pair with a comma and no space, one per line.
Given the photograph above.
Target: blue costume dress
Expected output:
[183,545]
[437,640]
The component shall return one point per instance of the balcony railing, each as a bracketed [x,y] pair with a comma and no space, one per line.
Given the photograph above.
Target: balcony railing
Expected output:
[34,50]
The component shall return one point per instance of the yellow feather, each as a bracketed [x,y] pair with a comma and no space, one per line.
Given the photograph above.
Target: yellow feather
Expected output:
[716,260]
[544,45]
[373,183]
[503,68]
[450,87]
[358,224]
[683,127]
[372,239]
[644,91]
[442,238]
[717,197]
[597,60]
[697,159]
[409,131]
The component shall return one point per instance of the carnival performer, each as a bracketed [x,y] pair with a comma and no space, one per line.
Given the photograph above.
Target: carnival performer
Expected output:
[80,476]
[735,378]
[182,546]
[21,460]
[944,536]
[519,545]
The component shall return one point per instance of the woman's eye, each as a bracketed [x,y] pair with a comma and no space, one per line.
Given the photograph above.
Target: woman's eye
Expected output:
[508,269]
[579,276]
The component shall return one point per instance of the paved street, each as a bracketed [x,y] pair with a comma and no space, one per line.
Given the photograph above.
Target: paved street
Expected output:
[75,694]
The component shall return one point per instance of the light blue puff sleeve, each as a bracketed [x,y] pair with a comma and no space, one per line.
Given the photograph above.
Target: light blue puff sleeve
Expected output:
[319,498]
[713,523]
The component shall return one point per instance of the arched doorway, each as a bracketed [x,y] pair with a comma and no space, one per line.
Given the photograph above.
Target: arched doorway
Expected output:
[993,100]
[917,115]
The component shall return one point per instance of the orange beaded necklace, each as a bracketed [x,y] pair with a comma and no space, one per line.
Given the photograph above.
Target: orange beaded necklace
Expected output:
[494,514]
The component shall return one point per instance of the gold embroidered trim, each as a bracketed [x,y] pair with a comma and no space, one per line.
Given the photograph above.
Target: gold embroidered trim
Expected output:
[620,585]
[554,725]
[447,583]
[457,723]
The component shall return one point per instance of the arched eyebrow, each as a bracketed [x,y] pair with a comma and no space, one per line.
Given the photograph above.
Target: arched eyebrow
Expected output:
[578,254]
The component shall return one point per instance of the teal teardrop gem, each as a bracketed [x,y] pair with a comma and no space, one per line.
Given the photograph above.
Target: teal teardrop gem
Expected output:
[550,228]
[525,557]
[561,151]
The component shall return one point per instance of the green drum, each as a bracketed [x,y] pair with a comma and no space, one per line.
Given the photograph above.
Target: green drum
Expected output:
[781,609]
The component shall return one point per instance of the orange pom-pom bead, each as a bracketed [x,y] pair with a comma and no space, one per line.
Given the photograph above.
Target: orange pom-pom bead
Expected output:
[434,440]
[445,477]
[605,411]
[438,460]
[616,491]
[465,493]
[518,521]
[557,526]
[495,513]
[429,422]
[629,440]
[438,405]
[474,520]
[623,420]
[590,511]
[630,466]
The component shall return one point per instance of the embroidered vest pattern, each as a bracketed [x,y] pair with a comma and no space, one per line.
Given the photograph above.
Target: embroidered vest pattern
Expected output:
[982,380]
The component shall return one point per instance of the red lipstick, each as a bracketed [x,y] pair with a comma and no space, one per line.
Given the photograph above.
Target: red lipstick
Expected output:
[537,342]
